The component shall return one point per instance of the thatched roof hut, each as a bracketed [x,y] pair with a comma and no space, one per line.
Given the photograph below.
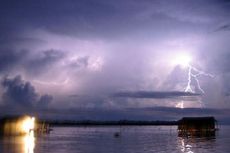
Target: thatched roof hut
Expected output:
[197,126]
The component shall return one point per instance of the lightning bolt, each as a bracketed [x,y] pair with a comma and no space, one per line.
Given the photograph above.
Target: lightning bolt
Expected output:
[195,73]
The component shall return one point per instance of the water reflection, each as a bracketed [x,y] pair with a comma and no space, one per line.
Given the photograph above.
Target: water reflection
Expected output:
[100,139]
[185,148]
[29,142]
[18,134]
[194,144]
[18,144]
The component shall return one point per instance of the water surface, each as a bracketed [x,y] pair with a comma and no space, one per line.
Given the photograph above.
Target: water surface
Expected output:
[132,139]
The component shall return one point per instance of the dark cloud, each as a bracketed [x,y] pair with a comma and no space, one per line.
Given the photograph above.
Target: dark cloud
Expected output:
[110,19]
[80,16]
[22,94]
[19,93]
[81,62]
[44,101]
[10,59]
[155,94]
[74,96]
[225,27]
[178,76]
[185,111]
[177,113]
[135,42]
[155,113]
[44,60]
[47,57]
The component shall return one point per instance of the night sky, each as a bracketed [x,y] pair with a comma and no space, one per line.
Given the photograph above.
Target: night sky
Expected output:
[113,59]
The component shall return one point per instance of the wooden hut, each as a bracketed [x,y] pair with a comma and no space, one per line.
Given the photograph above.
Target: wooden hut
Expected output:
[197,126]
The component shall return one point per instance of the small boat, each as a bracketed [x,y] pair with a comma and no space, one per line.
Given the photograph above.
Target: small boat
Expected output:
[116,134]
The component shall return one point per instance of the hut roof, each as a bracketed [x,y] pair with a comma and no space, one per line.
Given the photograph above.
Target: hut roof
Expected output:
[197,120]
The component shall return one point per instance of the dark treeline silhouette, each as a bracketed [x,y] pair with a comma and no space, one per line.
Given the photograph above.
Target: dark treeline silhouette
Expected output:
[4,119]
[109,123]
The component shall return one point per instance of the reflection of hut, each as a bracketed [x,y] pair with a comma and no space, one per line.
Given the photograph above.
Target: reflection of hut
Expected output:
[197,126]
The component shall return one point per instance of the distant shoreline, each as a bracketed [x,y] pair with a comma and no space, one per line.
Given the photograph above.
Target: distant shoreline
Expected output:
[111,123]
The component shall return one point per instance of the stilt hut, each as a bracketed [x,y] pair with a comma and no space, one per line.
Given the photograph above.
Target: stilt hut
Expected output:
[197,126]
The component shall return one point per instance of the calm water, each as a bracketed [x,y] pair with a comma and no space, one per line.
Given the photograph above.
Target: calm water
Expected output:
[133,139]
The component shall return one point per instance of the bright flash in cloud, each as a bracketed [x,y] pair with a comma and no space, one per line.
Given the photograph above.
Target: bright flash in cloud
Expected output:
[180,104]
[182,60]
[96,64]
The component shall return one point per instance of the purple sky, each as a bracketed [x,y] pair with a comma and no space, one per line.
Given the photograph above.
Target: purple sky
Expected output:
[74,59]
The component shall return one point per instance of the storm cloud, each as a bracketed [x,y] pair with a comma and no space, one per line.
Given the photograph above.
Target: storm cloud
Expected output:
[155,94]
[10,59]
[225,27]
[113,54]
[44,61]
[22,94]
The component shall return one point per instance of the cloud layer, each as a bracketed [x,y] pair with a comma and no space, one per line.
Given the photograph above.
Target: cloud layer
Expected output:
[21,94]
[93,49]
[155,95]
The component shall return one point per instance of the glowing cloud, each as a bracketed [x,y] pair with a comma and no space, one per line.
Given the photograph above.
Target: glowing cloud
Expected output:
[182,60]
